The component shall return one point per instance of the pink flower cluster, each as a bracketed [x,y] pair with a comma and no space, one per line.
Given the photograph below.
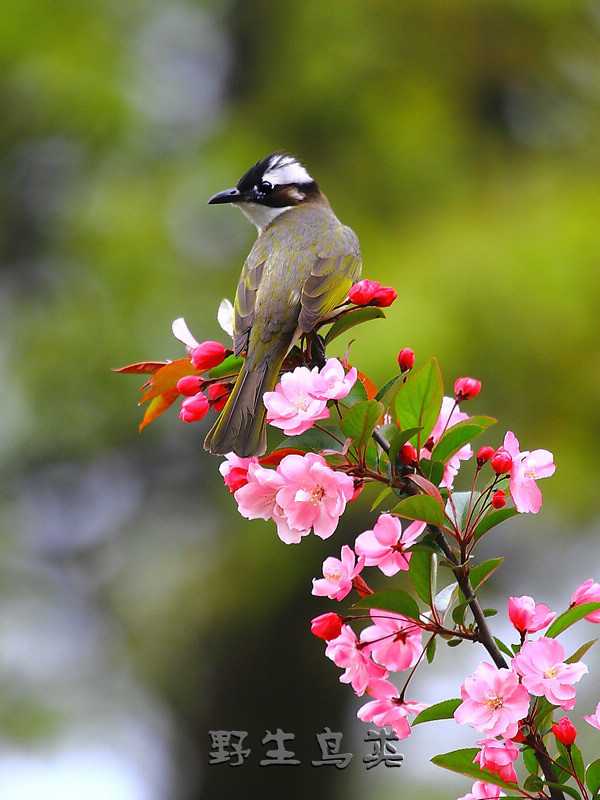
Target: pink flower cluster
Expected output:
[496,700]
[525,469]
[301,495]
[300,398]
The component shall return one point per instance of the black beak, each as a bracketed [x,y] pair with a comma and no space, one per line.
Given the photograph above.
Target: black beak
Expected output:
[228,196]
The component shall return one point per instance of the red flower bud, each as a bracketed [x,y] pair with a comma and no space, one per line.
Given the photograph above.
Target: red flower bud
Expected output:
[385,296]
[501,461]
[484,454]
[327,626]
[363,292]
[406,359]
[207,355]
[408,455]
[499,499]
[565,731]
[466,388]
[219,393]
[189,385]
[194,408]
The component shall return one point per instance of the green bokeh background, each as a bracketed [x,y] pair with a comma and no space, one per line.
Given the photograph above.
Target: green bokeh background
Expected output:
[461,142]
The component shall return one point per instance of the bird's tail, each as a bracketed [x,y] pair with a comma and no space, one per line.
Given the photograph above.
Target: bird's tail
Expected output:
[240,427]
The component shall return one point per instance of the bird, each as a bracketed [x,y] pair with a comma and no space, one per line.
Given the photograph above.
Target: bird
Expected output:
[300,268]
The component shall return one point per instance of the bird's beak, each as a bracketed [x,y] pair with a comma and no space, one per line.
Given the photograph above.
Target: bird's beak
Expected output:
[228,196]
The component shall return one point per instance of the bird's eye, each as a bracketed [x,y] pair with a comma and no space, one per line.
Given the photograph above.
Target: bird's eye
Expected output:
[264,187]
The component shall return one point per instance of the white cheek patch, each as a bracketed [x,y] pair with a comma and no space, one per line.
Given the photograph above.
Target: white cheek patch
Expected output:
[286,170]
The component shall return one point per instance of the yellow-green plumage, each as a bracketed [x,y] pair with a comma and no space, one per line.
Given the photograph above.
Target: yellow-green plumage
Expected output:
[300,268]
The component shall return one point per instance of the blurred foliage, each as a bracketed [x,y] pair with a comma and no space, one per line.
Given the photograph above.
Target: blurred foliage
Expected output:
[459,140]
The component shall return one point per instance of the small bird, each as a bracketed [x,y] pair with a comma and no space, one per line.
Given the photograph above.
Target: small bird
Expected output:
[300,268]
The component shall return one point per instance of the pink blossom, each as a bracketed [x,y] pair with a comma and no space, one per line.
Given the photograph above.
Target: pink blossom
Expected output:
[541,665]
[257,499]
[484,791]
[347,652]
[395,642]
[338,575]
[194,408]
[527,467]
[313,495]
[498,755]
[526,616]
[332,382]
[449,415]
[388,709]
[291,406]
[385,546]
[493,701]
[594,719]
[235,471]
[588,592]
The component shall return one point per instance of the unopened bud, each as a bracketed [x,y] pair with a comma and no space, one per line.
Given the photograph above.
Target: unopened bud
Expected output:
[385,296]
[484,454]
[565,731]
[363,292]
[406,359]
[194,408]
[327,626]
[219,393]
[466,388]
[501,461]
[207,355]
[408,455]
[499,499]
[189,385]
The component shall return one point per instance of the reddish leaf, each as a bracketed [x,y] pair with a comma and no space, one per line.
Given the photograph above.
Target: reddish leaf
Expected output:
[276,457]
[370,387]
[166,378]
[142,367]
[158,405]
[428,487]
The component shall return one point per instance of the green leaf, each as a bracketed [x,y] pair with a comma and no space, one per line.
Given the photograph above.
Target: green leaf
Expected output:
[459,435]
[562,787]
[432,470]
[394,600]
[506,650]
[531,763]
[570,617]
[421,507]
[461,501]
[228,368]
[491,520]
[592,776]
[445,597]
[459,611]
[385,492]
[387,393]
[359,421]
[580,652]
[443,710]
[355,317]
[418,401]
[482,571]
[315,439]
[419,572]
[461,761]
[357,394]
[430,650]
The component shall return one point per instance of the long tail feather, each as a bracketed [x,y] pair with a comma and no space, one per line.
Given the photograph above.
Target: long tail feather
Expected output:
[240,427]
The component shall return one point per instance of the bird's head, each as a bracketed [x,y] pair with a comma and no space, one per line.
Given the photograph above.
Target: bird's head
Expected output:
[274,185]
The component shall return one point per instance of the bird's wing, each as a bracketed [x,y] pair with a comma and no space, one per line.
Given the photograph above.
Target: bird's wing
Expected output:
[245,297]
[333,271]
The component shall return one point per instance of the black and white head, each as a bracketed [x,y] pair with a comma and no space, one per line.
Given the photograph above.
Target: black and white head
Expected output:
[274,185]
